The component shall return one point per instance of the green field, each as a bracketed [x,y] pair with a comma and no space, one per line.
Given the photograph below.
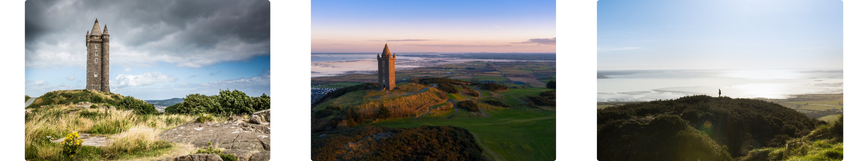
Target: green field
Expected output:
[829,118]
[507,134]
[604,106]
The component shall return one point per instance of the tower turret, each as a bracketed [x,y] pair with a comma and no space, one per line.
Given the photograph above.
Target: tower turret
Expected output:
[95,31]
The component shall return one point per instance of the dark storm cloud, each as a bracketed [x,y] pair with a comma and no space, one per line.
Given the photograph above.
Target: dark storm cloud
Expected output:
[189,33]
[542,41]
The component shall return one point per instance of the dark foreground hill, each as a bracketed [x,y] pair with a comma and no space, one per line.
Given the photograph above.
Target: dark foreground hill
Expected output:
[383,143]
[696,127]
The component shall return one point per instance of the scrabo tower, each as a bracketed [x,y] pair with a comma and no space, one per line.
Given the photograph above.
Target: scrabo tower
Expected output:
[97,58]
[386,70]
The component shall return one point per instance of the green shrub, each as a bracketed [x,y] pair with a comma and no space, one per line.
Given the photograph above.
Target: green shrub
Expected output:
[551,84]
[204,117]
[493,87]
[468,105]
[495,102]
[226,103]
[384,112]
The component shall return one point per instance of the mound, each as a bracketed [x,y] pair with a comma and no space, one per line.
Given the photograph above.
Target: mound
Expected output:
[739,125]
[382,143]
[60,97]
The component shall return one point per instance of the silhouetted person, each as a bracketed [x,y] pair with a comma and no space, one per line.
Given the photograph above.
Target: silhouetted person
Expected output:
[718,92]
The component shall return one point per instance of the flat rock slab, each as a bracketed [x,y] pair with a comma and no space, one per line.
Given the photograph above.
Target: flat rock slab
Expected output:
[89,140]
[243,140]
[195,157]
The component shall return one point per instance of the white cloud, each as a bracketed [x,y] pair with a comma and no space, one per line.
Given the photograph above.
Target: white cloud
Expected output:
[146,79]
[70,77]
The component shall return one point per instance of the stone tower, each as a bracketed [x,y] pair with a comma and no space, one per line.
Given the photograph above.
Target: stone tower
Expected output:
[97,43]
[386,70]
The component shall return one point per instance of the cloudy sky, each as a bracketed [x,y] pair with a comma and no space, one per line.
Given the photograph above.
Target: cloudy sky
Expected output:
[732,34]
[160,49]
[433,26]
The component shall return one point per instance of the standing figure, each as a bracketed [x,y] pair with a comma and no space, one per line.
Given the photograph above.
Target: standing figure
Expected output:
[718,92]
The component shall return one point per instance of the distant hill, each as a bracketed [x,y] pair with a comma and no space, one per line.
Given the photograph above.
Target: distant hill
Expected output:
[696,127]
[166,102]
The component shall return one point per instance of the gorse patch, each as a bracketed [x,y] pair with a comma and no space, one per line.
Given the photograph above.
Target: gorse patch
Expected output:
[61,97]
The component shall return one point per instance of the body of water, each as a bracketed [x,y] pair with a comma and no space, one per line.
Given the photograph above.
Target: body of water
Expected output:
[648,85]
[331,64]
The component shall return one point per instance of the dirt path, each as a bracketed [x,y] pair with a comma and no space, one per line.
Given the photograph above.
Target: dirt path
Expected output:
[519,100]
[30,101]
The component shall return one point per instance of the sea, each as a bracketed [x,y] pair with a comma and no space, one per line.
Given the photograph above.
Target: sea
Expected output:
[649,85]
[332,64]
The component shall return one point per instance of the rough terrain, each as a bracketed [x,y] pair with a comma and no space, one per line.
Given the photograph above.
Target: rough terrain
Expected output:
[242,138]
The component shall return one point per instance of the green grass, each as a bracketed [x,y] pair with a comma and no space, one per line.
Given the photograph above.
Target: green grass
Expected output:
[519,93]
[455,96]
[820,107]
[491,78]
[507,134]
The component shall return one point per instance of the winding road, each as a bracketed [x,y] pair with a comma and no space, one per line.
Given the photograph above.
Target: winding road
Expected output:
[30,101]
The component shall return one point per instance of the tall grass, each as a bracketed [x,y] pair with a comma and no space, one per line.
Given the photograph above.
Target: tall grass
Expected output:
[55,121]
[136,139]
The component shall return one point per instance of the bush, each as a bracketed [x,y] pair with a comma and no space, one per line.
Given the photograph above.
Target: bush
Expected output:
[446,87]
[542,101]
[551,84]
[548,94]
[384,112]
[468,105]
[226,103]
[493,87]
[495,102]
[204,117]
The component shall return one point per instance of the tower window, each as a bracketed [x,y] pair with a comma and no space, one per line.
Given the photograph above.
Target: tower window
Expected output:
[94,74]
[96,60]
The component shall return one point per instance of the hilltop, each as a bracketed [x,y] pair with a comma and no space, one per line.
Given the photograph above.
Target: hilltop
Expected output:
[707,128]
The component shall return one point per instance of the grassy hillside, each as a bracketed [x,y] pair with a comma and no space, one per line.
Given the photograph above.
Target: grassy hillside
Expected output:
[826,142]
[737,125]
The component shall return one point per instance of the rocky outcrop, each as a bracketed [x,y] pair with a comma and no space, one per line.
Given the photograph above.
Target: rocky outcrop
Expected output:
[265,115]
[195,157]
[244,140]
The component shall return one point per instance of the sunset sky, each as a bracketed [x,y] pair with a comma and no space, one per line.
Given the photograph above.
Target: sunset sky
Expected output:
[736,34]
[433,26]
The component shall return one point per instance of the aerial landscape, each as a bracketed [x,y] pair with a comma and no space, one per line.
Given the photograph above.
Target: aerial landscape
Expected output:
[433,81]
[720,80]
[171,80]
